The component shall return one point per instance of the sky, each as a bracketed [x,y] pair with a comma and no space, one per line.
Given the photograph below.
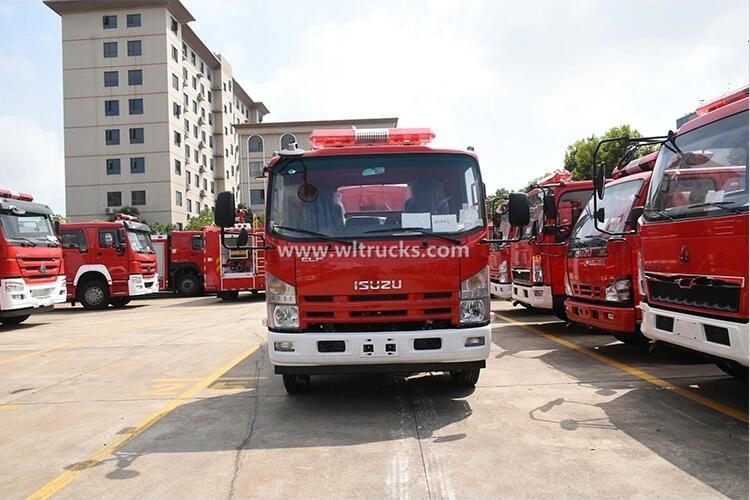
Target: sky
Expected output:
[518,81]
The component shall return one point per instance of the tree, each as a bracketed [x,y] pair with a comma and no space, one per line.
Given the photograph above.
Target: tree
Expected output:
[127,211]
[60,218]
[579,156]
[161,228]
[204,218]
[533,182]
[495,199]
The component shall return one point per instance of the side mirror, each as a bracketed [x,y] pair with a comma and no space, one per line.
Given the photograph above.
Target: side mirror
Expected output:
[225,210]
[518,209]
[600,214]
[599,182]
[635,214]
[550,210]
[242,238]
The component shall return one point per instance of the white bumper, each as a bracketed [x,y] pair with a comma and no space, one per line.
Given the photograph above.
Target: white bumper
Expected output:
[137,285]
[689,331]
[16,294]
[535,296]
[452,348]
[501,291]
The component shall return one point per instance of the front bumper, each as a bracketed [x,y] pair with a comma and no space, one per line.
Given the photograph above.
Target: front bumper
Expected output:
[501,291]
[375,349]
[729,340]
[15,293]
[535,296]
[615,319]
[138,285]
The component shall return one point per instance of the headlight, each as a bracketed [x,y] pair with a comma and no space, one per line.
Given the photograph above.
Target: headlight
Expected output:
[641,276]
[14,286]
[137,278]
[504,272]
[537,275]
[475,302]
[278,291]
[619,291]
[283,317]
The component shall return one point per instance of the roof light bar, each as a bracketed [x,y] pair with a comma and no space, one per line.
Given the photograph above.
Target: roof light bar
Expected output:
[15,195]
[126,217]
[337,138]
[724,100]
[645,163]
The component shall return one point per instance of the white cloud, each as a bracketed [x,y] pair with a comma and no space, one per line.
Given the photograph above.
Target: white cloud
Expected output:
[33,161]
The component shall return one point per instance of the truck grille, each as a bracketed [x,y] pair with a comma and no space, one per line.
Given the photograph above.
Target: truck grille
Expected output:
[701,292]
[39,268]
[522,276]
[147,267]
[588,291]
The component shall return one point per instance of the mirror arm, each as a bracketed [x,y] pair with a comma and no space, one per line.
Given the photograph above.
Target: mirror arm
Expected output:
[265,245]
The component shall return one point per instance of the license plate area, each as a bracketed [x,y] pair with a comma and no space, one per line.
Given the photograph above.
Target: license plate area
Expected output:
[41,293]
[379,347]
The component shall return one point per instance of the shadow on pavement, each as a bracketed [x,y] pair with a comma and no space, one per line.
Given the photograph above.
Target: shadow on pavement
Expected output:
[21,326]
[215,301]
[78,309]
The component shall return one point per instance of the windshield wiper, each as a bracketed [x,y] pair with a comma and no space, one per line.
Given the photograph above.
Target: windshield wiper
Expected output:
[311,233]
[662,213]
[717,204]
[414,230]
[29,242]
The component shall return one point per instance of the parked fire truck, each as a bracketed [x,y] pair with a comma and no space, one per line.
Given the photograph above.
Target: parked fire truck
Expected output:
[500,283]
[32,275]
[538,258]
[195,262]
[108,262]
[397,284]
[694,236]
[601,281]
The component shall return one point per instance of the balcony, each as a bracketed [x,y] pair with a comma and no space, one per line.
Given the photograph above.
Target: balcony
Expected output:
[201,97]
[202,169]
[184,83]
[201,145]
[201,121]
[203,193]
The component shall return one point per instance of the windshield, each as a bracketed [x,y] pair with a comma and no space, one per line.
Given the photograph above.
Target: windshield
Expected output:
[140,241]
[617,203]
[28,229]
[368,195]
[702,173]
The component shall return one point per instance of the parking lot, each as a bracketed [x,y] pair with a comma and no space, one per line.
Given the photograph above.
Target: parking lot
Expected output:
[175,397]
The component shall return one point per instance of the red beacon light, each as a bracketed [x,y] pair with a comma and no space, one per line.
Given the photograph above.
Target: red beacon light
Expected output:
[15,195]
[338,138]
[558,177]
[724,100]
[126,217]
[643,164]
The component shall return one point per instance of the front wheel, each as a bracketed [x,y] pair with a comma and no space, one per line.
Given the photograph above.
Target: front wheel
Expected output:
[188,285]
[466,378]
[635,339]
[94,295]
[119,302]
[14,320]
[296,384]
[558,307]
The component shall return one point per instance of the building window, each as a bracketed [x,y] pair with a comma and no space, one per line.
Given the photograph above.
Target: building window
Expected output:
[286,141]
[113,166]
[203,137]
[255,144]
[176,109]
[225,86]
[175,82]
[178,167]
[192,57]
[203,160]
[189,205]
[202,67]
[212,186]
[211,163]
[197,181]
[210,119]
[187,126]
[135,106]
[195,83]
[174,26]
[211,139]
[195,155]
[175,54]
[135,77]
[184,49]
[195,107]
[187,151]
[177,138]
[257,197]
[111,79]
[136,135]
[109,22]
[112,137]
[135,48]
[110,49]
[178,198]
[112,108]
[188,177]
[134,20]
[138,165]
[195,131]
[229,83]
[138,197]
[256,169]
[184,74]
[114,199]
[208,95]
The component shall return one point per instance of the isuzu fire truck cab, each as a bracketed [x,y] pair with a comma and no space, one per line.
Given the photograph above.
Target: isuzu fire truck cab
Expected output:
[375,257]
[108,262]
[32,276]
[694,236]
[500,283]
[538,259]
[601,281]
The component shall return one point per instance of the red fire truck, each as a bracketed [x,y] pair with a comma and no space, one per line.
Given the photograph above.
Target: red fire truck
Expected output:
[32,276]
[108,262]
[500,283]
[195,262]
[694,236]
[601,280]
[397,284]
[538,260]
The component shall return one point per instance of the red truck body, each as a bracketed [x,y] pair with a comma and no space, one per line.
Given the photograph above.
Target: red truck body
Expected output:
[359,282]
[538,260]
[194,262]
[32,273]
[694,236]
[602,278]
[108,262]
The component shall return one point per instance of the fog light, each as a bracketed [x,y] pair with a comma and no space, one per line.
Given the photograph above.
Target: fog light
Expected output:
[283,346]
[474,341]
[610,316]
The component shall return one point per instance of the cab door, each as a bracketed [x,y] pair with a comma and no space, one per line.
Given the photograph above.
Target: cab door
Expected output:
[111,252]
[75,247]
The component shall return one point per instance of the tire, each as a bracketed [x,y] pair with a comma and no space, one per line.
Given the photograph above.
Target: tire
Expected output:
[94,295]
[466,378]
[732,368]
[188,285]
[14,320]
[296,384]
[558,307]
[635,339]
[229,296]
[119,302]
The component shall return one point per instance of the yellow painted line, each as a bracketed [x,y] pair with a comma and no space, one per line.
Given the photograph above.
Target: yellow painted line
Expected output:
[9,407]
[119,441]
[637,372]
